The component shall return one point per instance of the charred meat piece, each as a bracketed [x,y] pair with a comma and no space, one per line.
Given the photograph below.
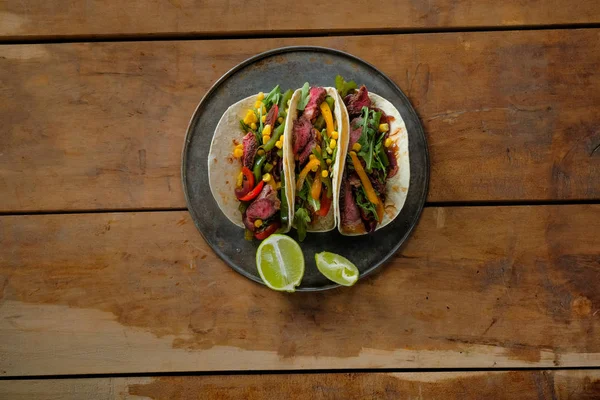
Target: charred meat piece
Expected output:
[301,134]
[261,209]
[350,214]
[247,223]
[355,131]
[250,147]
[307,151]
[355,102]
[317,96]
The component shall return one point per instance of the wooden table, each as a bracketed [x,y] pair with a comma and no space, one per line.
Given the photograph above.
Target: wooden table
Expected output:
[107,291]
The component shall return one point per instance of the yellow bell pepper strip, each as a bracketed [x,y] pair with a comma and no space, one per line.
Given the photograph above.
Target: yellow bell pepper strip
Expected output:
[364,179]
[315,190]
[326,111]
[314,163]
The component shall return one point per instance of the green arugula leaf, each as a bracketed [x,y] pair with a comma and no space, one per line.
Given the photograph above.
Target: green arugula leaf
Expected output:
[272,98]
[301,220]
[303,98]
[315,204]
[342,86]
[363,202]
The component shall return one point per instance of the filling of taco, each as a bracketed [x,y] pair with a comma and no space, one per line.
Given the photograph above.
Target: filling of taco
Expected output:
[260,186]
[314,146]
[371,161]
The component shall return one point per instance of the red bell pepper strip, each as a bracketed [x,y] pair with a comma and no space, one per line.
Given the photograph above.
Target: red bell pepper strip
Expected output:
[269,230]
[325,204]
[254,192]
[247,183]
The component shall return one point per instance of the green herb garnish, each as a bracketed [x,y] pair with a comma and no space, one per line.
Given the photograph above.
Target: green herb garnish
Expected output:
[342,86]
[304,98]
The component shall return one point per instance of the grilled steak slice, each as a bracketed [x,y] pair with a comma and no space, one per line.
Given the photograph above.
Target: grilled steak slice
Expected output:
[250,147]
[316,97]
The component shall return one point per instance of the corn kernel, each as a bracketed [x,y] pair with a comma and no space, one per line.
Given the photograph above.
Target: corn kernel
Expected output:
[335,135]
[324,173]
[239,146]
[332,143]
[328,161]
[356,147]
[384,127]
[278,185]
[315,168]
[388,142]
[253,126]
[258,223]
[278,144]
[266,177]
[281,138]
[258,104]
[237,153]
[352,153]
[280,120]
[267,130]
[329,151]
[318,148]
[250,117]
[286,110]
[264,109]
[263,118]
[240,180]
[260,96]
[311,157]
[260,152]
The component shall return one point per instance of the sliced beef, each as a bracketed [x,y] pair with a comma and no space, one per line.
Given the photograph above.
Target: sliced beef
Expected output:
[247,223]
[376,182]
[270,194]
[355,131]
[250,147]
[393,167]
[272,116]
[316,97]
[301,134]
[261,209]
[355,102]
[354,180]
[307,151]
[264,206]
[349,212]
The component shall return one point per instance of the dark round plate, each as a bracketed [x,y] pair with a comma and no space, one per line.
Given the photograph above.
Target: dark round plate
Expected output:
[290,67]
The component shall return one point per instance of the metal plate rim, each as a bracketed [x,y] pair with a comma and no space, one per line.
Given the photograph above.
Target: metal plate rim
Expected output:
[287,49]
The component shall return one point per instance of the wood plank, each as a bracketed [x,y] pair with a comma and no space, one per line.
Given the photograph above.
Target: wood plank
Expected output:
[479,287]
[68,18]
[509,116]
[522,385]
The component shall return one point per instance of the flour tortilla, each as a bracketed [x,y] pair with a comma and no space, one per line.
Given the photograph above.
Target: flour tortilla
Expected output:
[223,168]
[329,222]
[397,186]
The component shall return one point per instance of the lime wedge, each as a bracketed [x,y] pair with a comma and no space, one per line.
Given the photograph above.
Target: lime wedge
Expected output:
[337,268]
[280,262]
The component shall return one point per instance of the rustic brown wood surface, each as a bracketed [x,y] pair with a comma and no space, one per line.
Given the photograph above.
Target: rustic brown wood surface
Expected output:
[509,116]
[482,287]
[69,18]
[521,385]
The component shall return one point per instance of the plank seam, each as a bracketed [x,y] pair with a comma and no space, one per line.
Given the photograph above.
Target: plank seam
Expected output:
[150,37]
[289,372]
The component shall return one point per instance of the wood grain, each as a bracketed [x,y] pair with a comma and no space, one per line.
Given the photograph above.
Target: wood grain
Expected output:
[522,385]
[475,287]
[509,116]
[31,19]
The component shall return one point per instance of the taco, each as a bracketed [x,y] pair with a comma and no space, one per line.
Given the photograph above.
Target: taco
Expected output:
[247,172]
[312,143]
[376,174]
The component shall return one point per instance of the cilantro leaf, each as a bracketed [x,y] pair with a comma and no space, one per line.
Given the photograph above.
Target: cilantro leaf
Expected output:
[342,86]
[304,97]
[301,220]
